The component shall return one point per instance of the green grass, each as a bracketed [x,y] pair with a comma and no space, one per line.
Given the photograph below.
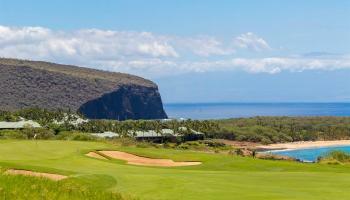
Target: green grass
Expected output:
[24,188]
[219,177]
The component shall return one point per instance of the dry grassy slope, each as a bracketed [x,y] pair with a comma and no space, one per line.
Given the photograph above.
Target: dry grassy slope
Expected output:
[80,72]
[98,94]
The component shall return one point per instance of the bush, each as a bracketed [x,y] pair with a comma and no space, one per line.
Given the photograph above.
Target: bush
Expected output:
[124,141]
[75,135]
[266,141]
[12,134]
[239,152]
[169,145]
[192,145]
[38,133]
[183,146]
[283,129]
[335,157]
[268,156]
[8,117]
[144,145]
[214,144]
[27,133]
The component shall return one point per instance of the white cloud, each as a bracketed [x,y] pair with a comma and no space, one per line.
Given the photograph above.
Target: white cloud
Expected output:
[204,46]
[251,41]
[151,55]
[26,35]
[272,65]
[41,43]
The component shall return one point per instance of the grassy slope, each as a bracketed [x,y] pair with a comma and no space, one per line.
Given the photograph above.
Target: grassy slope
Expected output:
[80,72]
[24,188]
[220,177]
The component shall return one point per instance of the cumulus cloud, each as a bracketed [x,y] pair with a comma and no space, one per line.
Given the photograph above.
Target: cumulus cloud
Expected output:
[151,55]
[42,43]
[251,41]
[271,65]
[204,46]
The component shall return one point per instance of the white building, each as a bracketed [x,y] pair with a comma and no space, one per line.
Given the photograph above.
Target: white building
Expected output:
[19,125]
[107,134]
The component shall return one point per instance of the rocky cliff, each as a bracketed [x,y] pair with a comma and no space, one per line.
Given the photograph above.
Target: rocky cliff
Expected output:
[96,94]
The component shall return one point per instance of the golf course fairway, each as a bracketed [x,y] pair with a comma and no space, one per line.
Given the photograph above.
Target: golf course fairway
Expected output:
[220,176]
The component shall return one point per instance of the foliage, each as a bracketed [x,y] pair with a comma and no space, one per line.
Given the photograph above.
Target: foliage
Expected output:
[59,121]
[75,135]
[201,145]
[12,134]
[335,157]
[264,130]
[270,156]
[8,117]
[38,133]
[283,129]
[125,127]
[27,133]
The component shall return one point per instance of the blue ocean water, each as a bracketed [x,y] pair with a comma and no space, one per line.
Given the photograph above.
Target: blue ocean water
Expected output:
[235,110]
[311,154]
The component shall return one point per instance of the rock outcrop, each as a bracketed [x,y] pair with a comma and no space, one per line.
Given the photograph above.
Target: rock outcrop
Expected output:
[96,94]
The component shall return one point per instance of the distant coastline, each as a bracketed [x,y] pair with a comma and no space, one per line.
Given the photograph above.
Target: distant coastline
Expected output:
[236,110]
[304,145]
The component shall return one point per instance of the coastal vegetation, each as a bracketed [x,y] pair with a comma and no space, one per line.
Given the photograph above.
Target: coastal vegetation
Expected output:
[264,130]
[335,157]
[284,129]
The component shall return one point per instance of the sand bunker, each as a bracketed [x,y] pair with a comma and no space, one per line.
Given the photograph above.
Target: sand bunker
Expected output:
[138,160]
[55,177]
[95,155]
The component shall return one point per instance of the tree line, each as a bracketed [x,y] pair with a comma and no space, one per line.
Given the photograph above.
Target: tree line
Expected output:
[256,129]
[284,129]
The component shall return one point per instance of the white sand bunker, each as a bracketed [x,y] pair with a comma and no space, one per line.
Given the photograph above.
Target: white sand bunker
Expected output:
[138,160]
[55,177]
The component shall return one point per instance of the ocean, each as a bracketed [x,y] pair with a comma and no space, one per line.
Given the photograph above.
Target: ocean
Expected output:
[311,154]
[236,110]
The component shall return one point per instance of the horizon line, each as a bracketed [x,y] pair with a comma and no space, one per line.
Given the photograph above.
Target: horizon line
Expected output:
[260,102]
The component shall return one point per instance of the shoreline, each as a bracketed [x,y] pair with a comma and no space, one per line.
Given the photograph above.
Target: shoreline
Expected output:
[303,145]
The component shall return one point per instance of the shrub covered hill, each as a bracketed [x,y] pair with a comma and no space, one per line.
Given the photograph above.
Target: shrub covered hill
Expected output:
[94,93]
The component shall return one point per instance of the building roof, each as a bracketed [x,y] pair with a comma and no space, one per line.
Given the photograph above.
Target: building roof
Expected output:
[75,120]
[163,132]
[106,134]
[146,134]
[19,125]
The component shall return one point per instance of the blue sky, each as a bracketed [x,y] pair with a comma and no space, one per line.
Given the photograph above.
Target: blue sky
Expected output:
[197,51]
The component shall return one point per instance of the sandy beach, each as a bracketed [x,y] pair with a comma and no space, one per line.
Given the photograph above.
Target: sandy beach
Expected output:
[304,145]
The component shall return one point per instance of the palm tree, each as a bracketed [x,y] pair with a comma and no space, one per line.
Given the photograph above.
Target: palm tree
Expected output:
[159,129]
